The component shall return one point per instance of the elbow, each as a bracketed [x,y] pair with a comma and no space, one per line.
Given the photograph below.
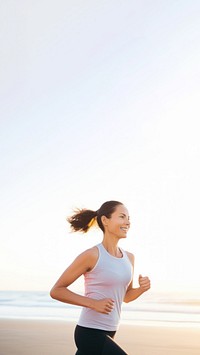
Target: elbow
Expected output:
[126,300]
[53,293]
[57,293]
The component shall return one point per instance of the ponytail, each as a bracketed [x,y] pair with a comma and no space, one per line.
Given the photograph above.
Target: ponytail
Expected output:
[83,219]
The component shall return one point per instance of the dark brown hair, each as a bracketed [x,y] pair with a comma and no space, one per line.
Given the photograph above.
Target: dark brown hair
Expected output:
[83,219]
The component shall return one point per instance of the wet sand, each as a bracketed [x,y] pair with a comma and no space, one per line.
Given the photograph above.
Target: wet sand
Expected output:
[50,337]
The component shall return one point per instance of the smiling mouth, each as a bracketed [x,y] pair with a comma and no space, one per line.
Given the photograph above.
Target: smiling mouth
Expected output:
[124,229]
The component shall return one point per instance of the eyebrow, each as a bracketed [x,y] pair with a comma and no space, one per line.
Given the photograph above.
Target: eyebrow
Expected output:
[124,215]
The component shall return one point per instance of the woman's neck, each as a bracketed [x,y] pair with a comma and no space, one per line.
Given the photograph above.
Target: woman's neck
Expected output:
[112,247]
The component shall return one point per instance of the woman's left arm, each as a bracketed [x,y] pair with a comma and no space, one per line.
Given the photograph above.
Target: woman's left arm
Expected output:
[144,285]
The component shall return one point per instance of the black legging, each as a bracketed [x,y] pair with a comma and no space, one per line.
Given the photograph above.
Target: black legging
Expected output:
[96,342]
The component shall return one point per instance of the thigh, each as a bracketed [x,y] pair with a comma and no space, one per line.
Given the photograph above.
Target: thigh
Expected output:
[96,342]
[89,341]
[112,348]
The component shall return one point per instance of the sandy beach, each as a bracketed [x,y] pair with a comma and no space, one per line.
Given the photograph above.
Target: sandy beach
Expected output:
[34,337]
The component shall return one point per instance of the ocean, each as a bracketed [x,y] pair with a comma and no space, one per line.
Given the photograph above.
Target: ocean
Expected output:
[154,309]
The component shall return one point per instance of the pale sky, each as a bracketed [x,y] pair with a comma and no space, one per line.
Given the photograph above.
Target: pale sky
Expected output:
[99,101]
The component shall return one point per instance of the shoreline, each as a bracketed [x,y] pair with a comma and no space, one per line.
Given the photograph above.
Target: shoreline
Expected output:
[55,337]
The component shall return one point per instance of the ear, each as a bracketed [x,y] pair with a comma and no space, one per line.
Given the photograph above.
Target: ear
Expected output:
[104,220]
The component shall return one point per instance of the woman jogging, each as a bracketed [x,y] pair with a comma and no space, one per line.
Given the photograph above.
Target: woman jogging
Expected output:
[108,273]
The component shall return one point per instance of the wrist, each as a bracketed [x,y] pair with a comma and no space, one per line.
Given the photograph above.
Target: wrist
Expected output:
[91,303]
[141,290]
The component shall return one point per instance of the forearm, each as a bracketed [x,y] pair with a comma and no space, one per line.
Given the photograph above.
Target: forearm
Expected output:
[133,294]
[62,294]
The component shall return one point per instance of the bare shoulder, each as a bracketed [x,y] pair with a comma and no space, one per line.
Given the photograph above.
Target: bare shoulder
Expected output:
[131,257]
[90,253]
[89,257]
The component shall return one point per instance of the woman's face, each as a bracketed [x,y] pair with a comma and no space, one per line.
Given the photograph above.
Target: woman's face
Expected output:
[118,224]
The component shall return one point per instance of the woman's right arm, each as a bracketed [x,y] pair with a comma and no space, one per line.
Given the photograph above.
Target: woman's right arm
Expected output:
[83,263]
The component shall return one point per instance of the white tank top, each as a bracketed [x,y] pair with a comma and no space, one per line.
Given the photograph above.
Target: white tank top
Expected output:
[109,278]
